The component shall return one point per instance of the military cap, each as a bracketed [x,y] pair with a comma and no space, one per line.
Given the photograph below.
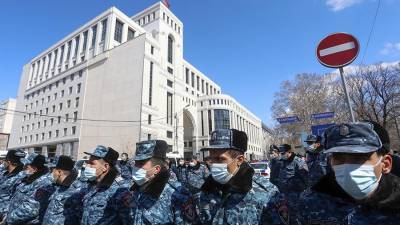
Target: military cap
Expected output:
[284,148]
[228,139]
[351,138]
[149,149]
[62,162]
[106,153]
[15,156]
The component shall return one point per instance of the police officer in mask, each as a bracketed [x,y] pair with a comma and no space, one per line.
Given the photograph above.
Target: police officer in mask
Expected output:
[316,159]
[103,201]
[155,199]
[361,189]
[232,194]
[197,174]
[12,174]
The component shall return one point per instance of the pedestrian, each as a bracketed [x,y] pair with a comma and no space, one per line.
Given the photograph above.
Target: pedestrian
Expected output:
[31,197]
[125,167]
[361,189]
[10,177]
[155,199]
[316,159]
[65,206]
[232,194]
[196,175]
[103,201]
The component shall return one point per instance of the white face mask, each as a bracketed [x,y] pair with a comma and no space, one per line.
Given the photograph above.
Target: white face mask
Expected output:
[139,176]
[90,173]
[357,180]
[220,173]
[192,164]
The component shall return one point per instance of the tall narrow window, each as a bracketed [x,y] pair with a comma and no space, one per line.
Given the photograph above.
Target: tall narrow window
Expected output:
[192,79]
[48,62]
[169,108]
[104,29]
[151,84]
[69,49]
[85,34]
[209,122]
[118,31]
[170,48]
[202,124]
[198,83]
[62,54]
[187,75]
[76,46]
[131,34]
[94,34]
[202,86]
[55,58]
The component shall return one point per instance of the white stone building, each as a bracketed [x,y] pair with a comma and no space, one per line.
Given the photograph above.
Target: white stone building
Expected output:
[118,80]
[7,108]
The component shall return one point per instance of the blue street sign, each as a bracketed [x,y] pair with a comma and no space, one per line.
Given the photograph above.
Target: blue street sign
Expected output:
[324,115]
[319,129]
[290,119]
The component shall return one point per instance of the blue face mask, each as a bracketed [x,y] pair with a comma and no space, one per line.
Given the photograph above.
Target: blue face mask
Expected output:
[357,180]
[220,173]
[90,173]
[139,176]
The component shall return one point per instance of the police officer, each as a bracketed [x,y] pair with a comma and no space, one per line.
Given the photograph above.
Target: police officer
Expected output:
[361,190]
[170,167]
[65,205]
[155,199]
[316,159]
[197,173]
[181,172]
[293,175]
[125,167]
[232,195]
[12,174]
[274,163]
[103,201]
[31,197]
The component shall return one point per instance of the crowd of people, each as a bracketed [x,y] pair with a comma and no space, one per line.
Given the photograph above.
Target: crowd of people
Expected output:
[346,178]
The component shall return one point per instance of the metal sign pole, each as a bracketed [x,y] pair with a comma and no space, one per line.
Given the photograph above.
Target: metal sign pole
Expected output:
[346,93]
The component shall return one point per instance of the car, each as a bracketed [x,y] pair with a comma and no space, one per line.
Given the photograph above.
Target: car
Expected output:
[261,168]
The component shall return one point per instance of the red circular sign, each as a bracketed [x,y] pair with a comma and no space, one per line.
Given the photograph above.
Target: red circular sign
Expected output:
[337,50]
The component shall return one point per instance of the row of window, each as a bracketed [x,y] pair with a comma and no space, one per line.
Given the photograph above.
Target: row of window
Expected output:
[171,23]
[56,84]
[46,111]
[146,19]
[71,50]
[54,98]
[194,80]
[119,26]
[48,135]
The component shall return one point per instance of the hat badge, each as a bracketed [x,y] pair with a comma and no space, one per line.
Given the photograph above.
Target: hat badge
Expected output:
[344,130]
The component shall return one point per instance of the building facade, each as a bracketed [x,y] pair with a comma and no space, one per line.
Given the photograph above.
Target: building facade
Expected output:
[7,112]
[118,80]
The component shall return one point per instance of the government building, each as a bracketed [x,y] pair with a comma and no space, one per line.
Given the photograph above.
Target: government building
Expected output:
[118,80]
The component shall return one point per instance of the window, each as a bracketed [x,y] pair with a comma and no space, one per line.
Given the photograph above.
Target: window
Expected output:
[221,119]
[149,137]
[75,116]
[51,121]
[70,90]
[169,134]
[68,103]
[48,61]
[104,29]
[187,75]
[76,102]
[131,34]
[42,136]
[57,133]
[69,49]
[55,58]
[78,90]
[76,46]
[62,93]
[44,123]
[209,122]
[169,83]
[60,106]
[65,131]
[170,70]
[151,84]
[118,31]
[192,79]
[66,117]
[202,124]
[169,108]
[49,134]
[55,96]
[59,119]
[62,54]
[149,119]
[73,130]
[47,111]
[152,50]
[198,83]
[54,108]
[85,34]
[170,48]
[94,34]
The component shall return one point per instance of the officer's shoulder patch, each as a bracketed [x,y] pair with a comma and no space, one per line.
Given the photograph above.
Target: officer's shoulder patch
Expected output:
[188,210]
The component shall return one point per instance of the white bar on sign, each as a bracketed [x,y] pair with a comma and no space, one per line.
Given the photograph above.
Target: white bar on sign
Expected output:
[337,48]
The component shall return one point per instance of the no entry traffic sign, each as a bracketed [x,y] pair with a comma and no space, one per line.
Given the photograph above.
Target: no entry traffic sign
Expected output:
[337,50]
